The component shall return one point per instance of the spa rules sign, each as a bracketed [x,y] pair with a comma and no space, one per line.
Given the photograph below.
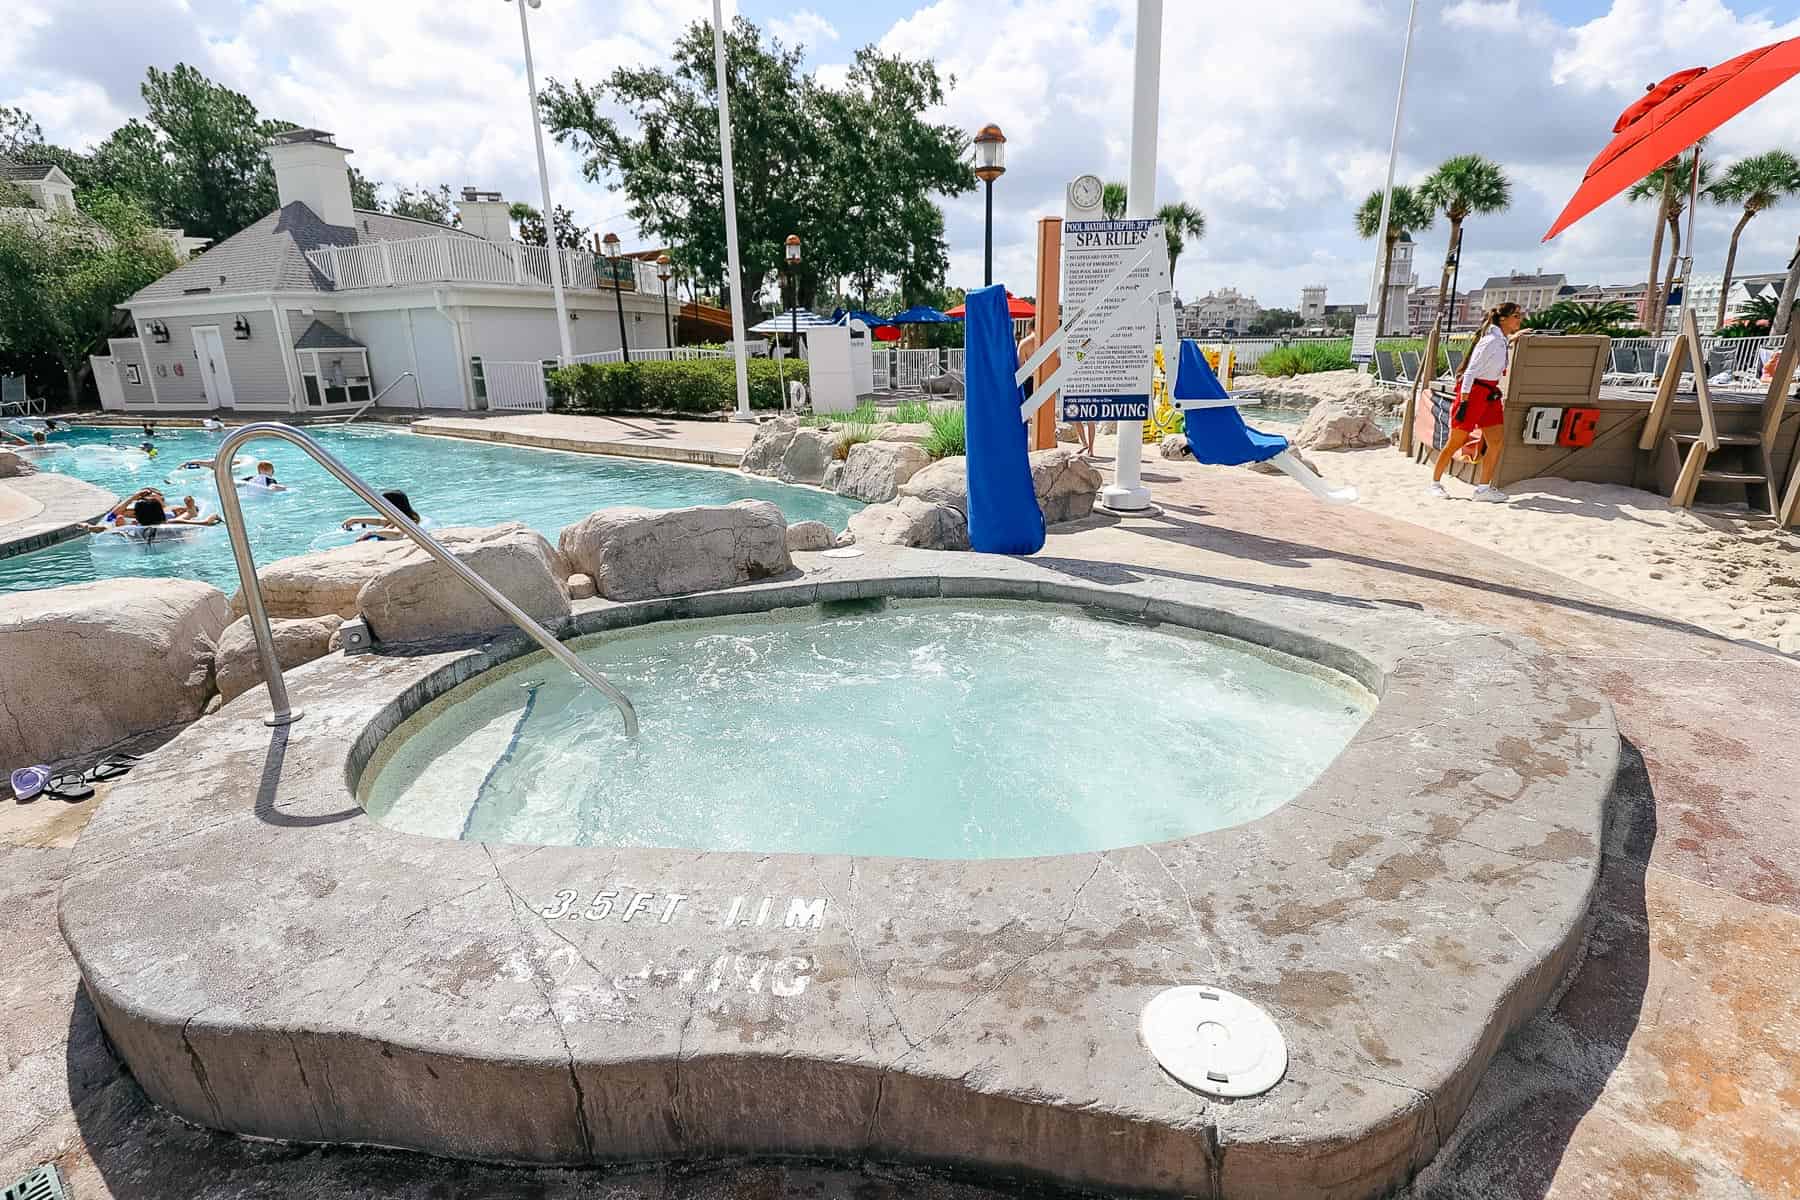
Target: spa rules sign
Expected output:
[1110,380]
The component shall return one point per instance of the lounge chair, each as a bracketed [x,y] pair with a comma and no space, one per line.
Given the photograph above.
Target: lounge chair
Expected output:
[1453,357]
[1409,365]
[1621,365]
[13,401]
[1386,372]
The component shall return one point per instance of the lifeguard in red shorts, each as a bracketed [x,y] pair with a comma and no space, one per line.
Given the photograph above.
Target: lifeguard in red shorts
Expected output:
[1478,403]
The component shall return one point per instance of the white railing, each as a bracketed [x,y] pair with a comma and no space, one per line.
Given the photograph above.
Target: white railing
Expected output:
[653,354]
[1743,358]
[442,258]
[515,386]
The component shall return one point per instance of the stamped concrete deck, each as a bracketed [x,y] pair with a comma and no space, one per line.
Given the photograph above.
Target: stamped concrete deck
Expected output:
[710,443]
[49,509]
[1665,1070]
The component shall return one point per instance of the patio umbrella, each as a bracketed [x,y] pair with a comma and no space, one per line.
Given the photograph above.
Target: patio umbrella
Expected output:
[867,318]
[923,314]
[1017,309]
[787,321]
[1675,114]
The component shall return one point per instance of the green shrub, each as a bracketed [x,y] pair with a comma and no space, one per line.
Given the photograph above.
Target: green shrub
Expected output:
[912,412]
[854,433]
[1305,358]
[948,432]
[700,387]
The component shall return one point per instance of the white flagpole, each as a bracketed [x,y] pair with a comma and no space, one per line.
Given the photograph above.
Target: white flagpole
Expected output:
[1378,293]
[733,263]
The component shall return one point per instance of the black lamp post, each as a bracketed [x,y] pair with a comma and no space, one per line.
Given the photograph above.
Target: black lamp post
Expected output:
[611,243]
[663,273]
[790,266]
[990,164]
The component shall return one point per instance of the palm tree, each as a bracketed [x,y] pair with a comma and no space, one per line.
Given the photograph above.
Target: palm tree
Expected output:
[1181,221]
[1756,183]
[1660,184]
[1408,213]
[1112,201]
[1578,316]
[1669,182]
[1461,187]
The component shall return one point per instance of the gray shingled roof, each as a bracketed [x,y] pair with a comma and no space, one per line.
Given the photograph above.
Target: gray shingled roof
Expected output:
[1501,281]
[320,336]
[25,171]
[271,254]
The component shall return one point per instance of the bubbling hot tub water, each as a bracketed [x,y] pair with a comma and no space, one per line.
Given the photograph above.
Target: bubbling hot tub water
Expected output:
[930,729]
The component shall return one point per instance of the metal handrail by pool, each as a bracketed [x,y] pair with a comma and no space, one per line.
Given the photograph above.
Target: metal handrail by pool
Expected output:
[283,714]
[370,402]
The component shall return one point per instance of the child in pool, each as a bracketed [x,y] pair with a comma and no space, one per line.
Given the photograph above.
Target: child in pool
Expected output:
[264,478]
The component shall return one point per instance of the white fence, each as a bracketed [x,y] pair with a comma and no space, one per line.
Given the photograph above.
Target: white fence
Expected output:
[653,354]
[515,386]
[1741,358]
[897,369]
[442,258]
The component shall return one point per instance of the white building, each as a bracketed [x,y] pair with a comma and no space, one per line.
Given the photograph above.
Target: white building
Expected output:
[1533,292]
[1312,303]
[1227,310]
[1401,280]
[320,305]
[52,194]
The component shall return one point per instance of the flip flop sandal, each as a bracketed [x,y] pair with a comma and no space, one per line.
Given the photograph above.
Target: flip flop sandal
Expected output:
[108,769]
[71,789]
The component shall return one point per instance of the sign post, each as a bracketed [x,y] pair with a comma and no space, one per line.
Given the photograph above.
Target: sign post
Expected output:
[1362,342]
[1110,375]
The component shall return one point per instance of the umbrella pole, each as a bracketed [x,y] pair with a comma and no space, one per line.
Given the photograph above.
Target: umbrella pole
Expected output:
[1687,260]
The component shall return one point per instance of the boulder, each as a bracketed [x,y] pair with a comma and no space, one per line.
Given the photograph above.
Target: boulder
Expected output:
[846,538]
[874,471]
[1339,425]
[810,535]
[417,598]
[635,553]
[789,451]
[12,466]
[918,433]
[945,481]
[1175,446]
[90,664]
[1068,434]
[239,668]
[911,521]
[313,585]
[833,474]
[1065,483]
[581,587]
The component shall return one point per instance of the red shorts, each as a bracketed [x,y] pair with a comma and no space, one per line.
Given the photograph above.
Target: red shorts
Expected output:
[1478,408]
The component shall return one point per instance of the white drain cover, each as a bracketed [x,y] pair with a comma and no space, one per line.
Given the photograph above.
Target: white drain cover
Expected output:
[841,552]
[1214,1041]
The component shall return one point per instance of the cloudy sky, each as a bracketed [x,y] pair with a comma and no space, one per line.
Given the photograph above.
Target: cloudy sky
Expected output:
[1275,117]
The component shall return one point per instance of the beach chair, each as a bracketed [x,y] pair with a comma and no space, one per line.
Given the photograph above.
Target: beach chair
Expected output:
[1453,357]
[1409,365]
[1621,365]
[12,396]
[1387,372]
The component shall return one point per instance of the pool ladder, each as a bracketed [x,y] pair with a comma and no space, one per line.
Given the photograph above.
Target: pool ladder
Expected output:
[283,713]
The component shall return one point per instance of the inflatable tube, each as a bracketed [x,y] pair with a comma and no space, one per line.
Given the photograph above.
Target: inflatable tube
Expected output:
[150,535]
[1004,517]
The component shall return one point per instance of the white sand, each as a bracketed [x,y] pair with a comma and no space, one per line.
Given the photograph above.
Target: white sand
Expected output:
[1735,575]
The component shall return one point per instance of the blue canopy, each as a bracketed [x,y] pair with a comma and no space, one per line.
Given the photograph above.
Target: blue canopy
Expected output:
[921,314]
[867,318]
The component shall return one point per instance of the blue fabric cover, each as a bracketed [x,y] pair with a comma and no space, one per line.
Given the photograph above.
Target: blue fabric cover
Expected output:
[1004,517]
[1218,436]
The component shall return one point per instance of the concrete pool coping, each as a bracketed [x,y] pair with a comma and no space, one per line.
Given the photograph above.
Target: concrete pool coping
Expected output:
[269,961]
[65,503]
[704,443]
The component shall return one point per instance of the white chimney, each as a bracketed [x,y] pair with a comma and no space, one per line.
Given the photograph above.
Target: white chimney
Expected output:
[310,168]
[485,214]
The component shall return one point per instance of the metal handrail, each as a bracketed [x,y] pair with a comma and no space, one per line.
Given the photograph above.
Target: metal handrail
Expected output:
[252,588]
[370,402]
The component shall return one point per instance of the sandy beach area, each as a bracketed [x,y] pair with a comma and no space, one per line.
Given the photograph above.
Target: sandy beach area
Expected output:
[1735,575]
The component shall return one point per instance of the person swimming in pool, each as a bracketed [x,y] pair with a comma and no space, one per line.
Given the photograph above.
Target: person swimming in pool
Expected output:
[379,528]
[264,478]
[148,513]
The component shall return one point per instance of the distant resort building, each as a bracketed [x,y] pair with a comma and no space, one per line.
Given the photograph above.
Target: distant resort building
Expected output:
[51,194]
[1533,292]
[1422,310]
[1226,310]
[321,306]
[1312,304]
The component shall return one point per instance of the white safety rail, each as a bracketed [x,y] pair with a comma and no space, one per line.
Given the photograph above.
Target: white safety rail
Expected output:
[406,262]
[515,386]
[1249,351]
[655,354]
[1742,357]
[896,369]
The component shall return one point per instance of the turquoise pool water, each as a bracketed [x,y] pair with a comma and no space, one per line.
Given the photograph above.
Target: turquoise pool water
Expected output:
[450,482]
[932,729]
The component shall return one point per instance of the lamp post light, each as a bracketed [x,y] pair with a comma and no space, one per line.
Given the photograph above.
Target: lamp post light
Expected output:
[990,164]
[537,133]
[790,266]
[611,245]
[663,273]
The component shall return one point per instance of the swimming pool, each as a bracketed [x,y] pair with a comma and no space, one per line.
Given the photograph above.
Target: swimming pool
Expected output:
[450,482]
[930,729]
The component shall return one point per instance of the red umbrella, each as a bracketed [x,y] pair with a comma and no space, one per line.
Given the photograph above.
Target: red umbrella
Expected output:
[1676,113]
[1017,309]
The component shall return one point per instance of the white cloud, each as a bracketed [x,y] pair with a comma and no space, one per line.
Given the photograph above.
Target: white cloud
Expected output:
[1275,117]
[803,28]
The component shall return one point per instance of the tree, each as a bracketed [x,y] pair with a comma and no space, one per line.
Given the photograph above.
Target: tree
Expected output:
[1272,321]
[1181,221]
[1112,201]
[422,203]
[1576,316]
[1668,184]
[1755,183]
[1408,213]
[61,281]
[850,169]
[365,193]
[17,132]
[1461,187]
[531,226]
